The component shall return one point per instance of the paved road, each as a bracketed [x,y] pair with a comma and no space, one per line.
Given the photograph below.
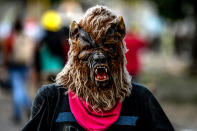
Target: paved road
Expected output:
[6,123]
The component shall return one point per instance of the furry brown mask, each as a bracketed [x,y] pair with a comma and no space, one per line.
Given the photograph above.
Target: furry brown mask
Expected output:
[96,70]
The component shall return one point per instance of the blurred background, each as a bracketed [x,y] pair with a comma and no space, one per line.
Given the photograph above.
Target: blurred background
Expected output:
[162,52]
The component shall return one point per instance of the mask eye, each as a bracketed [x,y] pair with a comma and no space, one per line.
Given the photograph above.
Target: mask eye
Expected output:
[109,32]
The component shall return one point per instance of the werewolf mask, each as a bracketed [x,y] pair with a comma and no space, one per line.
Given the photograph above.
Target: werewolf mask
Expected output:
[95,70]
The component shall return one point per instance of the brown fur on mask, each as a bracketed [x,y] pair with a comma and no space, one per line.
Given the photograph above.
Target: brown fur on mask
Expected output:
[106,32]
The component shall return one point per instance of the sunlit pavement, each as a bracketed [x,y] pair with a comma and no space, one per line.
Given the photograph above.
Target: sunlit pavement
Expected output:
[183,117]
[169,80]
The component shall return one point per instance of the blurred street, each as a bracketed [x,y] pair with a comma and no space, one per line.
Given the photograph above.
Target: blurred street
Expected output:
[6,116]
[173,87]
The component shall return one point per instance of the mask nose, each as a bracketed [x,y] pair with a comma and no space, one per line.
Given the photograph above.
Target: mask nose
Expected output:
[99,58]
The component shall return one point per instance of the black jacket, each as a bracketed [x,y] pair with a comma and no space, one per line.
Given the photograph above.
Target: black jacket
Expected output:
[141,107]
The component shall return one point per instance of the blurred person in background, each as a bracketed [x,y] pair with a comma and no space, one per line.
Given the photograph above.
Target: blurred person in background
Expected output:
[18,54]
[134,45]
[51,51]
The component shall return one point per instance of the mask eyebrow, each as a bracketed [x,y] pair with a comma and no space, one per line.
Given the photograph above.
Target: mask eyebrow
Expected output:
[86,37]
[110,39]
[110,36]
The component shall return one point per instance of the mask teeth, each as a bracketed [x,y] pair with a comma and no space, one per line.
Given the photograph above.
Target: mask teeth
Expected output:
[105,69]
[96,70]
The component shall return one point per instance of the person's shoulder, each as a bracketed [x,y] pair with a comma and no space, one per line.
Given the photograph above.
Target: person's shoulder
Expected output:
[48,90]
[140,94]
[49,87]
[140,90]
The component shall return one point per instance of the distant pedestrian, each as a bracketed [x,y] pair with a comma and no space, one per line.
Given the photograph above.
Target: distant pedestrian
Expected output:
[134,44]
[18,58]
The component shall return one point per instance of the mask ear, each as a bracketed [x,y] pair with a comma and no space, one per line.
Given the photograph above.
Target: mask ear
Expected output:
[74,31]
[119,26]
